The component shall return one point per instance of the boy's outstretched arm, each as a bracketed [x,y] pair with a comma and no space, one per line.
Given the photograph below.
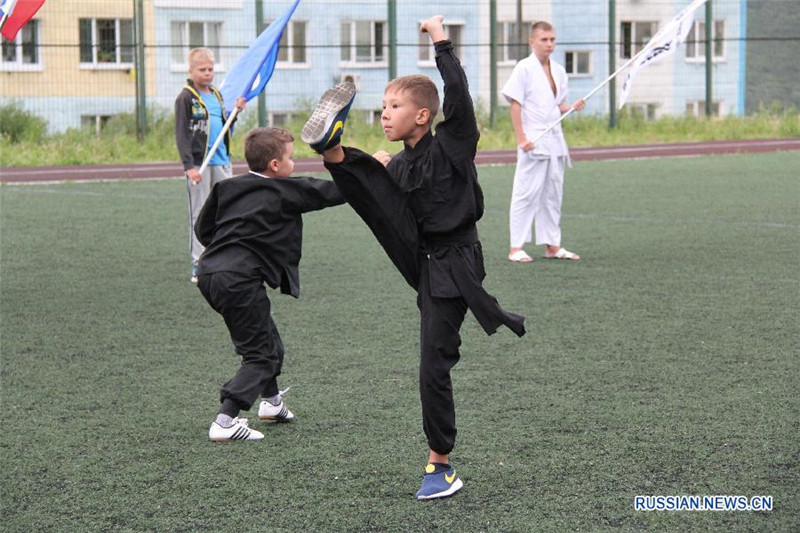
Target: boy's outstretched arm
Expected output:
[459,129]
[304,195]
[434,28]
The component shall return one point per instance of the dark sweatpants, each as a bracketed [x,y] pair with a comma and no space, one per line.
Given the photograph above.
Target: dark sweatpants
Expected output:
[440,322]
[242,301]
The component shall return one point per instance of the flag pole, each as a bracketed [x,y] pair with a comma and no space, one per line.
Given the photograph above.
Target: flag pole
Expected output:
[219,139]
[671,24]
[591,93]
[248,77]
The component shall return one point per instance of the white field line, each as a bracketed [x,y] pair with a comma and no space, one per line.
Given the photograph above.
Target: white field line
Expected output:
[664,221]
[684,221]
[586,216]
[85,182]
[668,148]
[72,192]
[36,171]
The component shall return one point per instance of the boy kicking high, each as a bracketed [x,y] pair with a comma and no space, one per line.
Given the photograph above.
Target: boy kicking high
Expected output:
[422,205]
[252,228]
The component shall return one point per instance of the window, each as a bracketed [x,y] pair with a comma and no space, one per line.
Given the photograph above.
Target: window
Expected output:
[292,47]
[374,117]
[634,36]
[278,119]
[579,63]
[106,41]
[648,111]
[187,35]
[23,52]
[94,123]
[427,54]
[696,41]
[697,108]
[511,48]
[363,41]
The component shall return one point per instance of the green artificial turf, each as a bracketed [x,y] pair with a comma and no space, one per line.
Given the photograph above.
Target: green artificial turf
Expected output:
[665,362]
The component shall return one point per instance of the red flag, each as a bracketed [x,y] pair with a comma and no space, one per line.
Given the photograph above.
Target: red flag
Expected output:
[17,14]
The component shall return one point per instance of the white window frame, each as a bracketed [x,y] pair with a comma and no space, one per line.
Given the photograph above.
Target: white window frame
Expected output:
[374,116]
[280,118]
[648,109]
[117,64]
[426,53]
[352,62]
[697,108]
[695,42]
[219,64]
[506,35]
[18,64]
[590,63]
[638,38]
[95,121]
[289,47]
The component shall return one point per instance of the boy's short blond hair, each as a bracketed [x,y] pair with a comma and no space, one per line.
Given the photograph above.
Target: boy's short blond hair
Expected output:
[262,145]
[198,54]
[541,25]
[420,89]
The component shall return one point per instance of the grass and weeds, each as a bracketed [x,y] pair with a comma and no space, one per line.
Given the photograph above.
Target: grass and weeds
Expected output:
[665,362]
[24,142]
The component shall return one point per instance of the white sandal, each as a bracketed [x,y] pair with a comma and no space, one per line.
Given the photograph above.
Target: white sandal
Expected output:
[563,253]
[520,257]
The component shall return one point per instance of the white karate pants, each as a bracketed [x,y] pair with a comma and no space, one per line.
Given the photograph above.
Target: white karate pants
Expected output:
[197,197]
[536,198]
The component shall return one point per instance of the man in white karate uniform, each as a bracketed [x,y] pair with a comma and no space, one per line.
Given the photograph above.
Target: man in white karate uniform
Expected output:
[537,92]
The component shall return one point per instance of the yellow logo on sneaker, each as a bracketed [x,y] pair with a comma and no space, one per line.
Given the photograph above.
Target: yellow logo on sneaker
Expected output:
[429,469]
[451,478]
[336,127]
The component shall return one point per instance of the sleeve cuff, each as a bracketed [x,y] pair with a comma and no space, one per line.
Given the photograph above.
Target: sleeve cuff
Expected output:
[443,46]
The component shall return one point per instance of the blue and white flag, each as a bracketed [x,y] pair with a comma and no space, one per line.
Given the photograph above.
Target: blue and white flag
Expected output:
[14,14]
[7,7]
[250,74]
[663,44]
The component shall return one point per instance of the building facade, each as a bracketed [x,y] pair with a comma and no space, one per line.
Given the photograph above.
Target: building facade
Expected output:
[74,63]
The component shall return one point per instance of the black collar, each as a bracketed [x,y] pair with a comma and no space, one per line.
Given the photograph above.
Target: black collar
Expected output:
[420,148]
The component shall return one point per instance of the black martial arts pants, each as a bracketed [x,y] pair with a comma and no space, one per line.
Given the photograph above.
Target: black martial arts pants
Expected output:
[372,193]
[242,301]
[440,322]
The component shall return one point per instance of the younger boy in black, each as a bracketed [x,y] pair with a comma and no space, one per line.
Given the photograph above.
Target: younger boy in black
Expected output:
[423,208]
[252,230]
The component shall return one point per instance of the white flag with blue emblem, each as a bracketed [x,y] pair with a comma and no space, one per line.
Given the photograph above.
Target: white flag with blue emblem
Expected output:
[663,44]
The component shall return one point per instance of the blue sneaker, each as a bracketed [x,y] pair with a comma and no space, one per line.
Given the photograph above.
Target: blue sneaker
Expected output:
[439,481]
[324,128]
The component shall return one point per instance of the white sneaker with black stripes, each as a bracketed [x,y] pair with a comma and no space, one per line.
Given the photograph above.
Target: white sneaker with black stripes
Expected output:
[238,431]
[274,413]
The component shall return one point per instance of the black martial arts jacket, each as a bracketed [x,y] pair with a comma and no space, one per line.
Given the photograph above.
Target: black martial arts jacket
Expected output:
[254,225]
[423,207]
[439,173]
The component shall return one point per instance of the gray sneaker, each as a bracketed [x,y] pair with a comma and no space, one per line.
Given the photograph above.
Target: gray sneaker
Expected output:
[324,128]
